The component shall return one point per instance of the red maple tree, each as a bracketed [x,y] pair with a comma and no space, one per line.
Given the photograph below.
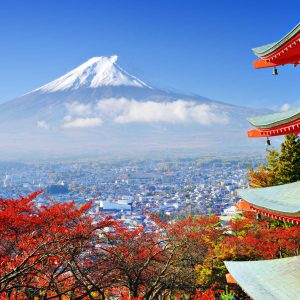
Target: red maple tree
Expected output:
[40,246]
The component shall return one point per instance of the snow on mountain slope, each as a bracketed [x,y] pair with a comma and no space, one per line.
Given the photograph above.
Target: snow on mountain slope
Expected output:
[96,72]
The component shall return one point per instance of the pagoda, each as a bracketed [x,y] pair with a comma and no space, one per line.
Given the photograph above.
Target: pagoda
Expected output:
[285,51]
[275,124]
[280,202]
[276,278]
[268,279]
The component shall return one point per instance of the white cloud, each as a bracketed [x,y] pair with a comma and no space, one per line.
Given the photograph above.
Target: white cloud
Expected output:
[79,109]
[82,122]
[171,112]
[285,107]
[43,125]
[112,107]
[68,118]
[127,111]
[122,110]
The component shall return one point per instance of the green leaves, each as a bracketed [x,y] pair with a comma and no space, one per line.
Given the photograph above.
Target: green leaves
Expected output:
[281,168]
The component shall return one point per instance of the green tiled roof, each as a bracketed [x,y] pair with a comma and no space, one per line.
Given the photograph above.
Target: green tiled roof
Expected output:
[281,198]
[268,279]
[268,121]
[269,48]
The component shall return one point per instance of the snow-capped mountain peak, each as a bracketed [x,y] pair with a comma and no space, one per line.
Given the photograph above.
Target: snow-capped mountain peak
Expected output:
[94,73]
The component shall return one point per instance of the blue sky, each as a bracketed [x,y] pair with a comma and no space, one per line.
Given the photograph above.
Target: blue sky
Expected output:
[194,46]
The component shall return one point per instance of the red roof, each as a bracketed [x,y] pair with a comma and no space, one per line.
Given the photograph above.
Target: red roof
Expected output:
[285,51]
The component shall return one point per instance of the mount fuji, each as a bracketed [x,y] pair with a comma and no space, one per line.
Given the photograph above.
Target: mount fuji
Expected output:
[100,109]
[95,73]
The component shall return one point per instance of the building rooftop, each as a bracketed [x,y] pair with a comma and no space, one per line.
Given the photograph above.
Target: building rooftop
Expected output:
[268,279]
[108,205]
[282,198]
[276,119]
[269,48]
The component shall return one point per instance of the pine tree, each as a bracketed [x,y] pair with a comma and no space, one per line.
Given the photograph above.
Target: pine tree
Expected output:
[288,163]
[282,167]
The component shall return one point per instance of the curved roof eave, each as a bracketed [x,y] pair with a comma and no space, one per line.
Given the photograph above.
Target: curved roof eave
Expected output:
[281,198]
[269,48]
[276,119]
[268,279]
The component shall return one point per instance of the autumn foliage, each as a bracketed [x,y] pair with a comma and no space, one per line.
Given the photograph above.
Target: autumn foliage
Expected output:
[282,166]
[60,252]
[40,249]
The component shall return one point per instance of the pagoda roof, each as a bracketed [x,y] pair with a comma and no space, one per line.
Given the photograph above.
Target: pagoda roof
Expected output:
[275,124]
[285,51]
[268,279]
[269,48]
[282,199]
[276,119]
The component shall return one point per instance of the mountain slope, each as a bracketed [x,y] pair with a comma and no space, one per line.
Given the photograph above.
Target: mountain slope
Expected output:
[100,108]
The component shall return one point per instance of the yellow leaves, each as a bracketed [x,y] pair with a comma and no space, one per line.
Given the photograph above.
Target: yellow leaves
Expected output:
[94,294]
[260,177]
[241,233]
[203,274]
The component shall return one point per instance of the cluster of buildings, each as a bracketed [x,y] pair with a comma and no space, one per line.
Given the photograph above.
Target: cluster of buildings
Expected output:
[129,189]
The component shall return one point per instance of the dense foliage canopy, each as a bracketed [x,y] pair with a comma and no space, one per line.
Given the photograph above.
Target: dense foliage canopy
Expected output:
[60,252]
